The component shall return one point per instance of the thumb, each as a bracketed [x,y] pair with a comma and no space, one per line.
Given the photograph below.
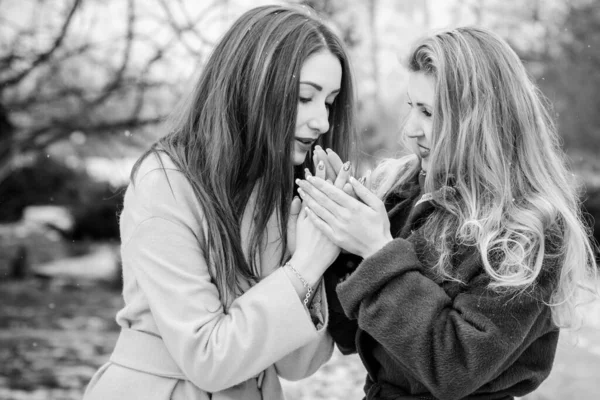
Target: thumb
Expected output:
[349,190]
[302,211]
[295,209]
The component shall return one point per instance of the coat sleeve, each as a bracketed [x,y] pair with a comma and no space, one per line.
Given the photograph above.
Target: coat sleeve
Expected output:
[342,328]
[214,349]
[306,360]
[452,345]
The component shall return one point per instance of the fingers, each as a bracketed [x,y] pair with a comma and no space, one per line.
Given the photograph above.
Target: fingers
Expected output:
[365,195]
[343,175]
[349,190]
[321,225]
[326,193]
[335,160]
[367,183]
[323,207]
[320,155]
[320,170]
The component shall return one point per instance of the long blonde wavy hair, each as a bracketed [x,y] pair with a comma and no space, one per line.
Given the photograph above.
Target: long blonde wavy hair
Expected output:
[495,142]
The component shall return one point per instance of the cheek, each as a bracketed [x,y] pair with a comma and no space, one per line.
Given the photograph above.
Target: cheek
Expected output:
[406,125]
[428,130]
[411,125]
[300,115]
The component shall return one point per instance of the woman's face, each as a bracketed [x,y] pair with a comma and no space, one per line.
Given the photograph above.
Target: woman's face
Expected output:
[320,81]
[419,125]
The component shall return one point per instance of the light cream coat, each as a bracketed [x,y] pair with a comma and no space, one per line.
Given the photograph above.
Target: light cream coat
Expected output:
[177,343]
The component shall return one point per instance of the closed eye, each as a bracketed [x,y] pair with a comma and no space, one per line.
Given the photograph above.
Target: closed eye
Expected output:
[424,110]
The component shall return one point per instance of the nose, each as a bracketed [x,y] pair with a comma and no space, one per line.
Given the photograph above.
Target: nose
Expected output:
[411,127]
[320,120]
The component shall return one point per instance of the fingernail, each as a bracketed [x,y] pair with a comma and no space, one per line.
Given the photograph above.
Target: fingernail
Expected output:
[352,179]
[318,147]
[328,150]
[346,166]
[310,178]
[297,181]
[301,192]
[307,172]
[362,180]
[321,165]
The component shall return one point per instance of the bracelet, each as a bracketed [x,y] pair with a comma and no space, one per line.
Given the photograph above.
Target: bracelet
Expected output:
[304,283]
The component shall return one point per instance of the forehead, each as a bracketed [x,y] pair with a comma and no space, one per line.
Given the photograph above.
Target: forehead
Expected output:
[321,66]
[421,87]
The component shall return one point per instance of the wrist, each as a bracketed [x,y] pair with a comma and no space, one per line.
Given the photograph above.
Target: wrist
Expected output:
[376,246]
[306,291]
[306,268]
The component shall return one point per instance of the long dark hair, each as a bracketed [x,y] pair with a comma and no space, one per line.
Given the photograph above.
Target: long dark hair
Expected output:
[236,133]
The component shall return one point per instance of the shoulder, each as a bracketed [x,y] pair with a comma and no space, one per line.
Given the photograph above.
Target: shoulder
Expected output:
[161,189]
[152,163]
[158,178]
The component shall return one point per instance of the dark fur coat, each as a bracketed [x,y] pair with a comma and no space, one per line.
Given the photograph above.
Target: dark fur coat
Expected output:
[423,337]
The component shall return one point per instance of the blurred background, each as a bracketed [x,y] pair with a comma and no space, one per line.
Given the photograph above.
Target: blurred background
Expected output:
[84,87]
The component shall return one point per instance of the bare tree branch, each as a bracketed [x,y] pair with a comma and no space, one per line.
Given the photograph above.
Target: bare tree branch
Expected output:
[189,26]
[74,84]
[118,76]
[48,134]
[45,55]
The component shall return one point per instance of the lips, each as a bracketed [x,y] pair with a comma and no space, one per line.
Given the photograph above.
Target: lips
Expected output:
[306,141]
[424,151]
[304,144]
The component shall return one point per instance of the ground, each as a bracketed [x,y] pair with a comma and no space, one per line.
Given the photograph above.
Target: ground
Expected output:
[54,335]
[58,326]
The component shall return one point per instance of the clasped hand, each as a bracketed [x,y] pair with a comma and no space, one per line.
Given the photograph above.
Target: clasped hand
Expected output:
[312,252]
[358,225]
[328,165]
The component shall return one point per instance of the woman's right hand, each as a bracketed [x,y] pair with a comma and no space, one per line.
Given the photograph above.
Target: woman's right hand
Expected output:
[314,252]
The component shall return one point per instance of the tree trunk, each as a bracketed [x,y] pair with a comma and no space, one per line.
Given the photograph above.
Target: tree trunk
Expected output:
[7,130]
[374,56]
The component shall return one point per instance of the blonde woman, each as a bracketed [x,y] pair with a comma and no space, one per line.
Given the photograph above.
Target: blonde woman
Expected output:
[216,306]
[472,253]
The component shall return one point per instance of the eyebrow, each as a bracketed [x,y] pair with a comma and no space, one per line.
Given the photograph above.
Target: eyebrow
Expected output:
[418,104]
[318,87]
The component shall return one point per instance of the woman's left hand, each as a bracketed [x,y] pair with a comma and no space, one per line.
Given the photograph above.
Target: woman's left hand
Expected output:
[359,227]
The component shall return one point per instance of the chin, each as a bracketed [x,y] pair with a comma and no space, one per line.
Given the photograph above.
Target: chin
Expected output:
[299,157]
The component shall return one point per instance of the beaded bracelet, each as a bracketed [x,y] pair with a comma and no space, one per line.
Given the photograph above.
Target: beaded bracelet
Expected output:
[304,283]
